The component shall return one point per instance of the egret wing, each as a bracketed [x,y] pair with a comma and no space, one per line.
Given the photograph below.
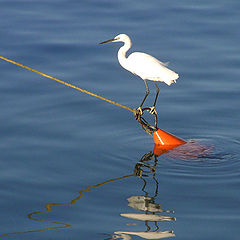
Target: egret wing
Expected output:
[150,68]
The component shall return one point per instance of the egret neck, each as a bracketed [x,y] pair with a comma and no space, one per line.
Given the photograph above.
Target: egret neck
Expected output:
[122,54]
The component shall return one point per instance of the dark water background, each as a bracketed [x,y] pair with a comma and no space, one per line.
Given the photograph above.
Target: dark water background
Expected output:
[56,141]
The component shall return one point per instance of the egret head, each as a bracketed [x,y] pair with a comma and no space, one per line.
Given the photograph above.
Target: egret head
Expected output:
[118,38]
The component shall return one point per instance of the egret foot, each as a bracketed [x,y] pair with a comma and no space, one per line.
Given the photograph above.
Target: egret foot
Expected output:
[138,113]
[153,110]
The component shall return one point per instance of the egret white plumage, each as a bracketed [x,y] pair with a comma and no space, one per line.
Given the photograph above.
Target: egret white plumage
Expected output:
[145,66]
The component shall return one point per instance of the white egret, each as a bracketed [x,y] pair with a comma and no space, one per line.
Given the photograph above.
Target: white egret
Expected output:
[145,66]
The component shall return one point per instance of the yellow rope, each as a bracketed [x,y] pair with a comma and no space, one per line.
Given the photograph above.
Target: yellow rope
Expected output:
[67,84]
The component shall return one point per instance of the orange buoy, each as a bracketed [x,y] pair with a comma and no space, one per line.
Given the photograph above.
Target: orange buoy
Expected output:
[164,138]
[165,141]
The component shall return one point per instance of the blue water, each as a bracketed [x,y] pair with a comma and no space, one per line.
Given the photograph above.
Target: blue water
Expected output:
[68,159]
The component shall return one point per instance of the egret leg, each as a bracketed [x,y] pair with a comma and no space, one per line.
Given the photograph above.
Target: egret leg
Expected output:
[157,92]
[139,111]
[147,92]
[152,109]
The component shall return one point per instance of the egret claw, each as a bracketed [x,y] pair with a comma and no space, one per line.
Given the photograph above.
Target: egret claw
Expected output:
[152,110]
[138,112]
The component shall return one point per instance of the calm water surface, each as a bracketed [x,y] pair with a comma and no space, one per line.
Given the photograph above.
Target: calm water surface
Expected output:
[69,161]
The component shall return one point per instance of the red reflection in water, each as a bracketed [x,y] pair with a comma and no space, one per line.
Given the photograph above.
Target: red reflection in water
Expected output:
[186,151]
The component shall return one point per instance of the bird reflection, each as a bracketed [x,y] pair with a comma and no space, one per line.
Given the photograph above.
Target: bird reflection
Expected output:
[146,203]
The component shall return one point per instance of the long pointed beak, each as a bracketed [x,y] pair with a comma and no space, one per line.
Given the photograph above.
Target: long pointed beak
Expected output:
[111,40]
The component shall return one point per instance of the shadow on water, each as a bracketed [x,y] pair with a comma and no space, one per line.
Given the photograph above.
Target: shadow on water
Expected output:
[145,170]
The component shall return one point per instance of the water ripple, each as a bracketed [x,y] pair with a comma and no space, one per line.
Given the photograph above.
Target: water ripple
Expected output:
[209,157]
